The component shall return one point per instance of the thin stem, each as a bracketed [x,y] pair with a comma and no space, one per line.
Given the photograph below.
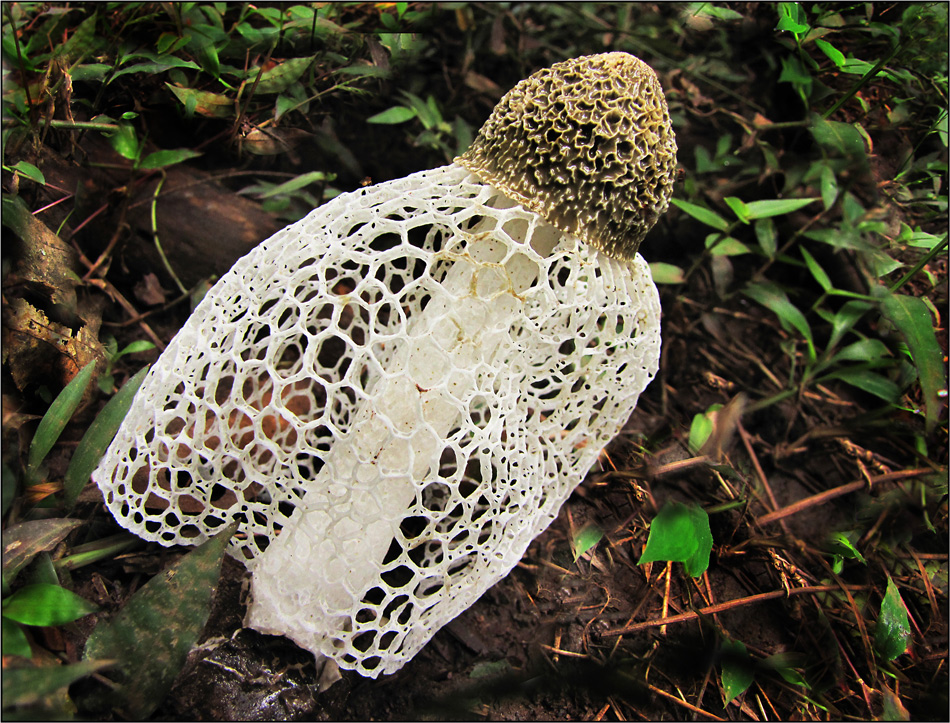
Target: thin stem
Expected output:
[79,125]
[158,244]
[19,57]
[920,264]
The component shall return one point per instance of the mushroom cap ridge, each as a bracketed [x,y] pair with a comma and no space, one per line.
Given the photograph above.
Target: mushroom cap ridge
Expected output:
[588,145]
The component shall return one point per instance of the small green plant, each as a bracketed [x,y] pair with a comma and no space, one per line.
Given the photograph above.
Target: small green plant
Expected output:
[42,605]
[585,539]
[44,602]
[291,200]
[106,380]
[54,421]
[737,670]
[701,428]
[892,634]
[451,139]
[680,533]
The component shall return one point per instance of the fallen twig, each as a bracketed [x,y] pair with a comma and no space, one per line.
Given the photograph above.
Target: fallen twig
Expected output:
[831,494]
[729,605]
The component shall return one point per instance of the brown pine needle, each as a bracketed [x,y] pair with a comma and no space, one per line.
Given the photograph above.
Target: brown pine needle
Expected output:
[680,701]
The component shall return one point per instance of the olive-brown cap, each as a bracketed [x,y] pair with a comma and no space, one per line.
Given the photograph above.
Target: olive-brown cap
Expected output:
[587,144]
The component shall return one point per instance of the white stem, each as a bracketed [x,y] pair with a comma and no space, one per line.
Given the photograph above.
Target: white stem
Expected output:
[394,442]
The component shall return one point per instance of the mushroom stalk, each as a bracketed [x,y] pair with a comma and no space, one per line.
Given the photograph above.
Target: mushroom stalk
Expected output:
[396,394]
[458,335]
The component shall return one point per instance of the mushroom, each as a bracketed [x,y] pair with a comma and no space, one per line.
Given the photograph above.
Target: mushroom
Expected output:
[396,394]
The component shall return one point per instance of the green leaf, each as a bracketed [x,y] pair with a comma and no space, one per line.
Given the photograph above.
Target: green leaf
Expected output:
[163,159]
[169,43]
[919,239]
[152,635]
[14,640]
[158,66]
[868,381]
[23,541]
[776,207]
[912,318]
[281,76]
[26,686]
[845,319]
[397,114]
[843,546]
[295,184]
[892,634]
[776,300]
[785,664]
[125,141]
[829,187]
[202,102]
[666,273]
[892,708]
[207,53]
[135,347]
[702,214]
[80,42]
[44,604]
[700,428]
[942,127]
[720,245]
[98,437]
[680,534]
[30,171]
[819,273]
[708,10]
[58,415]
[433,112]
[792,18]
[588,536]
[866,350]
[90,71]
[286,102]
[794,72]
[739,208]
[835,55]
[374,71]
[842,137]
[427,112]
[767,236]
[737,669]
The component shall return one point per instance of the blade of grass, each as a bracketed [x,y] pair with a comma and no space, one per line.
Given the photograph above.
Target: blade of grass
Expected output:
[99,435]
[55,420]
[702,214]
[46,605]
[23,541]
[25,686]
[912,318]
[103,549]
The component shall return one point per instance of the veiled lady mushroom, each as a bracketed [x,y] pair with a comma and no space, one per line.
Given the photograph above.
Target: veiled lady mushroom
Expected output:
[396,394]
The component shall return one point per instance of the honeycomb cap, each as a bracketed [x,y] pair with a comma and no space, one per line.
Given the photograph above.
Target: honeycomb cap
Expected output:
[587,144]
